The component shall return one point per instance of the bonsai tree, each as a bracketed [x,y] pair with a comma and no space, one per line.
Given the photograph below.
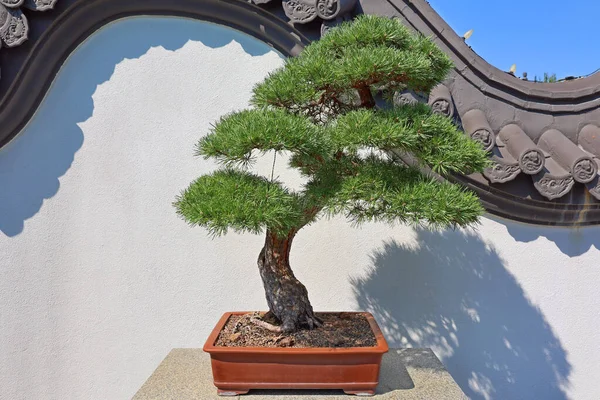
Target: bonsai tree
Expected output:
[324,109]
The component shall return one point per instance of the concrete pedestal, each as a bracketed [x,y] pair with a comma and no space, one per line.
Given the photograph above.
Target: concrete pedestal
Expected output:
[406,374]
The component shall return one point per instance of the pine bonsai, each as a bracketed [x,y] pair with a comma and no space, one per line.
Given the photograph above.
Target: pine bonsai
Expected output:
[321,109]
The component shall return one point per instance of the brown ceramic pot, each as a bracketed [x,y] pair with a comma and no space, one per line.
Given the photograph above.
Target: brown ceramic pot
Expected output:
[236,370]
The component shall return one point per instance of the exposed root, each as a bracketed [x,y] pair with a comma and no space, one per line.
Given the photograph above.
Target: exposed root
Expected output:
[313,322]
[338,330]
[266,325]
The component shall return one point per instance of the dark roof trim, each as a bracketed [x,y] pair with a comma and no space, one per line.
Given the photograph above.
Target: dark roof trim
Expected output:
[567,97]
[505,205]
[83,18]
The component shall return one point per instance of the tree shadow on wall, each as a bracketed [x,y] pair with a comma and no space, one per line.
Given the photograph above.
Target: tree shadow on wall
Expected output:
[452,293]
[31,165]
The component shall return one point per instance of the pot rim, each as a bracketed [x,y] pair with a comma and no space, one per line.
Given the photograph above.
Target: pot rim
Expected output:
[380,348]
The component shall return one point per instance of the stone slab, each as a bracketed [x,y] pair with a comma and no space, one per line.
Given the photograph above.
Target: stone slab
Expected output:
[406,374]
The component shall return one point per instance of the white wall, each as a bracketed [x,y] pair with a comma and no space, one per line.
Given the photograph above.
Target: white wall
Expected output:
[99,279]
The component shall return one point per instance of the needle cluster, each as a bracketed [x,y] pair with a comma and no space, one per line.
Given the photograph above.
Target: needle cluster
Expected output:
[322,108]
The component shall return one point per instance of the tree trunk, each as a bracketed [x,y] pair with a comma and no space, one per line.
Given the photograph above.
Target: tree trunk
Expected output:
[286,296]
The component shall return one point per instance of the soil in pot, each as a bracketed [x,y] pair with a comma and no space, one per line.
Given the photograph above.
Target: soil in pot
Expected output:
[338,330]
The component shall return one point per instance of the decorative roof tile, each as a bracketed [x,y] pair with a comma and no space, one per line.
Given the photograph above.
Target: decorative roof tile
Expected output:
[521,147]
[330,12]
[14,27]
[543,139]
[570,157]
[504,166]
[476,125]
[553,181]
[441,102]
[589,139]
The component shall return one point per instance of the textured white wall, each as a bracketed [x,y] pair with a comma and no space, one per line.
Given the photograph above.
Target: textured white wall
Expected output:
[99,279]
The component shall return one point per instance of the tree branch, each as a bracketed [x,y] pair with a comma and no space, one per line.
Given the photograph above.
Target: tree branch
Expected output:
[366,97]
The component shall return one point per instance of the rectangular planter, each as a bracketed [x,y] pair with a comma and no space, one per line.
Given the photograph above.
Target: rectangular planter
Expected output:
[236,370]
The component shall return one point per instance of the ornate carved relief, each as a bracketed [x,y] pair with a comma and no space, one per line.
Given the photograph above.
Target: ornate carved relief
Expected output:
[553,181]
[330,9]
[440,101]
[585,170]
[442,107]
[501,172]
[304,11]
[476,125]
[553,188]
[568,155]
[484,137]
[327,9]
[40,5]
[521,147]
[12,3]
[13,24]
[531,161]
[300,11]
[406,97]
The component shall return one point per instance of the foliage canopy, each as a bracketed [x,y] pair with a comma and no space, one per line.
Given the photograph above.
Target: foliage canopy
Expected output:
[321,108]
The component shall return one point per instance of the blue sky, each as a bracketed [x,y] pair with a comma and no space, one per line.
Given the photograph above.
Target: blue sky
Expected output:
[561,37]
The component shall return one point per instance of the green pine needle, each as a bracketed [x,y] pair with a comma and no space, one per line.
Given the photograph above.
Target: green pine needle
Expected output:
[230,199]
[369,51]
[233,139]
[317,109]
[387,192]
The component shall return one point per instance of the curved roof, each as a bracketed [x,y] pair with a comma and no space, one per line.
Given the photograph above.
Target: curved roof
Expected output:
[543,138]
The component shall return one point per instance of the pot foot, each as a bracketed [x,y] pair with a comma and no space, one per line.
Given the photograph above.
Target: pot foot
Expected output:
[232,392]
[365,392]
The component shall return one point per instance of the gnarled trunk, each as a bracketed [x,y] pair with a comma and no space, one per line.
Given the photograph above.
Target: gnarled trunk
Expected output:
[286,296]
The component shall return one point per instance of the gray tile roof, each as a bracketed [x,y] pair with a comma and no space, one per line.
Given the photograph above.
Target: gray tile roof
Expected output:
[543,138]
